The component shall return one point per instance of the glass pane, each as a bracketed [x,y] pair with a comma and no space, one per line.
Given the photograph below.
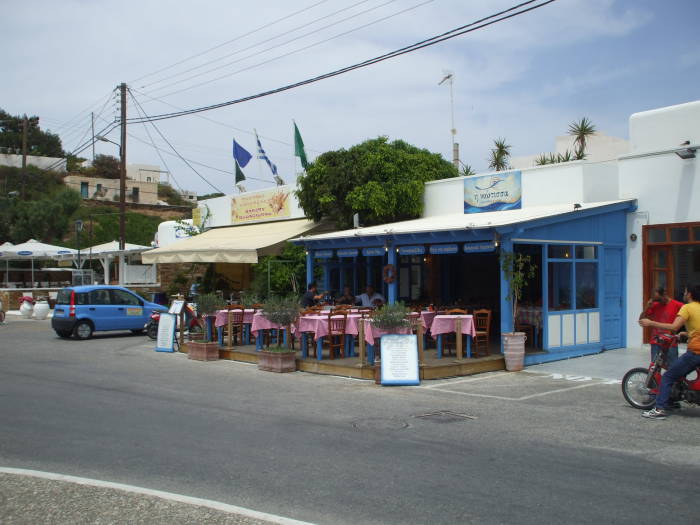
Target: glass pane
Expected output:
[559,286]
[660,280]
[657,235]
[586,252]
[122,297]
[660,259]
[556,251]
[680,235]
[586,285]
[696,233]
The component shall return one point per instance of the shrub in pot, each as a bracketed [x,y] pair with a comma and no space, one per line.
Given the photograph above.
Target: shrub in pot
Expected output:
[208,350]
[518,270]
[284,312]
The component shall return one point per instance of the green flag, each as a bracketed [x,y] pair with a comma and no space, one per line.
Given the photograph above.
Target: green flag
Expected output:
[240,177]
[299,147]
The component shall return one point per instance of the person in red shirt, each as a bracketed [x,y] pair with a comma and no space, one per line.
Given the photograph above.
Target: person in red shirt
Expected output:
[662,309]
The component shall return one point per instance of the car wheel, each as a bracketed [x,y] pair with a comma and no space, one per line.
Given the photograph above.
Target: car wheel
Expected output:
[137,331]
[64,334]
[83,330]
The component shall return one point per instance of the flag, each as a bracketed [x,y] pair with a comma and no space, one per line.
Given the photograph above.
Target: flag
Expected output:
[262,155]
[239,173]
[240,154]
[299,147]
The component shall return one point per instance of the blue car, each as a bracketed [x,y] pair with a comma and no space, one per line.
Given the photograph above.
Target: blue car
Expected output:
[82,310]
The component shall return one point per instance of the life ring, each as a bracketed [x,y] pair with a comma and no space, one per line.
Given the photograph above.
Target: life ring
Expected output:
[389,273]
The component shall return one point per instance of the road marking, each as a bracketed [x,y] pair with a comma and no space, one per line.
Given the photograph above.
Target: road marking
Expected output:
[216,505]
[503,398]
[468,380]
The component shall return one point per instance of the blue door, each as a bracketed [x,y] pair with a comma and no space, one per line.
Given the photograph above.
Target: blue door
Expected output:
[613,299]
[100,310]
[131,314]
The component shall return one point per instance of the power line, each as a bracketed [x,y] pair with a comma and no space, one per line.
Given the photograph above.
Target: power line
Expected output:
[270,24]
[252,46]
[467,28]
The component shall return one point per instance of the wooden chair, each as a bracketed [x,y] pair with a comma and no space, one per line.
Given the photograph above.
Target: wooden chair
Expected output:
[482,324]
[456,311]
[364,311]
[336,328]
[235,314]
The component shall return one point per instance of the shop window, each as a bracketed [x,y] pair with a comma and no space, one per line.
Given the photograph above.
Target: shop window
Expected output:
[586,285]
[660,259]
[696,233]
[586,252]
[559,281]
[559,251]
[657,235]
[680,235]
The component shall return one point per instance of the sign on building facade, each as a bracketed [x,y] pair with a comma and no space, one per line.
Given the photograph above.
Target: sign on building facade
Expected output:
[261,206]
[497,192]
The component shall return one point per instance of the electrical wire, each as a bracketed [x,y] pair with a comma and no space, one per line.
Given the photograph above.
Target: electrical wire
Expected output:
[218,46]
[467,28]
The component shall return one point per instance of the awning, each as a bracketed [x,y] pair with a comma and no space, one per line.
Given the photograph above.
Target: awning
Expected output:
[231,244]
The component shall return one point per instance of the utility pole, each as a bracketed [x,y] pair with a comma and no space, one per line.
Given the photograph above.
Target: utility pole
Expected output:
[25,126]
[92,126]
[449,77]
[122,174]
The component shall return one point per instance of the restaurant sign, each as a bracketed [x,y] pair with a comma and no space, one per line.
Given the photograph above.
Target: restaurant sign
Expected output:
[502,191]
[373,252]
[399,364]
[323,254]
[268,205]
[347,252]
[411,250]
[444,249]
[479,247]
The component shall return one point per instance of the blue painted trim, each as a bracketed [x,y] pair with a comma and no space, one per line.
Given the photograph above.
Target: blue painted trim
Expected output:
[309,268]
[545,298]
[323,254]
[506,305]
[392,287]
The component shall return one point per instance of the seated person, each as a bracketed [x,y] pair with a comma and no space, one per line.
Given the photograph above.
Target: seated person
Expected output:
[311,297]
[346,298]
[370,298]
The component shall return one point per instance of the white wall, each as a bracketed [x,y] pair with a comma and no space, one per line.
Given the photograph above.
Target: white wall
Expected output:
[599,147]
[665,128]
[171,231]
[443,197]
[143,172]
[15,161]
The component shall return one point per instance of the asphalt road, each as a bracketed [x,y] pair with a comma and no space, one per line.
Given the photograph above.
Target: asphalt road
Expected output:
[512,448]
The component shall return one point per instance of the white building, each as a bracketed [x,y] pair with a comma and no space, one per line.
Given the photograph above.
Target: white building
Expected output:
[15,161]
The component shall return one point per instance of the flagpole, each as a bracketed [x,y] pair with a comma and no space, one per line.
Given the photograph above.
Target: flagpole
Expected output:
[294,155]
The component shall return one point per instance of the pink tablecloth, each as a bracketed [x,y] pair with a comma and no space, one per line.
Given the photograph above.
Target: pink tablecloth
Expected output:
[372,332]
[260,322]
[427,317]
[445,324]
[530,315]
[222,319]
[318,324]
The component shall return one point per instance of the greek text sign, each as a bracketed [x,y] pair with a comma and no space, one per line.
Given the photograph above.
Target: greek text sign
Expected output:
[411,250]
[323,254]
[479,247]
[400,360]
[166,333]
[501,191]
[373,252]
[260,206]
[347,252]
[439,249]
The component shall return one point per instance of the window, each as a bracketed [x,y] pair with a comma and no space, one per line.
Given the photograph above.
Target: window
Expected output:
[657,235]
[99,188]
[585,252]
[100,297]
[586,285]
[680,235]
[135,194]
[81,298]
[559,281]
[148,179]
[121,297]
[559,251]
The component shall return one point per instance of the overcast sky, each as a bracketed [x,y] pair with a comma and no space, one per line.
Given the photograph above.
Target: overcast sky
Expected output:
[524,79]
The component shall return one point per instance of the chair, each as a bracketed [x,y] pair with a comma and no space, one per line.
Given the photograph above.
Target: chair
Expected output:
[364,311]
[456,311]
[235,314]
[336,328]
[482,324]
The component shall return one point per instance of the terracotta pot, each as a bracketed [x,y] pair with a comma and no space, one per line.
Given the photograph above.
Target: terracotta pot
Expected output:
[41,310]
[514,350]
[203,351]
[277,361]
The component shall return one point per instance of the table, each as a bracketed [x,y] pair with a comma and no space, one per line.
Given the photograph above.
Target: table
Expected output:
[318,324]
[447,324]
[260,323]
[427,317]
[222,320]
[373,332]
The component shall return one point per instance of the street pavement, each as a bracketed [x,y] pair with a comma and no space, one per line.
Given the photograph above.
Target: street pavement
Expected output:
[548,445]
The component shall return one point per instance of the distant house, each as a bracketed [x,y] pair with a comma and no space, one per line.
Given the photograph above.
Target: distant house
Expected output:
[108,189]
[15,160]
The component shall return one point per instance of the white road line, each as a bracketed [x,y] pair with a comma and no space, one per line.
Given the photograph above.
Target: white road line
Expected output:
[503,398]
[468,393]
[468,380]
[557,391]
[216,505]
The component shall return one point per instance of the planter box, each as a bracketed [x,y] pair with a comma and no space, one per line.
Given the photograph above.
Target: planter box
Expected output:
[203,351]
[277,361]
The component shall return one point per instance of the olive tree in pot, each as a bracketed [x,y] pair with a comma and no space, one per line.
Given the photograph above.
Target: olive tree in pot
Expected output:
[518,270]
[207,350]
[392,319]
[282,311]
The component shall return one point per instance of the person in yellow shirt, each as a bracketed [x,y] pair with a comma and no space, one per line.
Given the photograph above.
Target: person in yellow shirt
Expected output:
[688,315]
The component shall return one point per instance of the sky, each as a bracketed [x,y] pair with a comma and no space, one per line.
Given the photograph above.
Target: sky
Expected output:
[525,79]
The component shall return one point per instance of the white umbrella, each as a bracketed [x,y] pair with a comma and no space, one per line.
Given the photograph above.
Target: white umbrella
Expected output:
[33,249]
[5,246]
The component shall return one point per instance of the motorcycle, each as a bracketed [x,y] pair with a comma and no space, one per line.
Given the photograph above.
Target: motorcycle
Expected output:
[641,385]
[192,322]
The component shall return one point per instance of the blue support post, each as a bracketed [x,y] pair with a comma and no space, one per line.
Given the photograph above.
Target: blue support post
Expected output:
[259,341]
[506,305]
[309,267]
[439,346]
[319,349]
[370,355]
[392,287]
[304,346]
[220,335]
[326,277]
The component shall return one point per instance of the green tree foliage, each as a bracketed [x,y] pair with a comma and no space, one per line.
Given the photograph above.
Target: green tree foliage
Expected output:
[105,167]
[284,276]
[139,228]
[467,171]
[380,180]
[581,130]
[39,142]
[500,153]
[168,194]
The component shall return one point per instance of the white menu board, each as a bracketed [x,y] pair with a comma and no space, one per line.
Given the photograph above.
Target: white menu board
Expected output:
[399,364]
[166,333]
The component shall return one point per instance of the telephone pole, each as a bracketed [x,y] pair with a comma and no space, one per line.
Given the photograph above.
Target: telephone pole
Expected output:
[122,174]
[25,129]
[92,126]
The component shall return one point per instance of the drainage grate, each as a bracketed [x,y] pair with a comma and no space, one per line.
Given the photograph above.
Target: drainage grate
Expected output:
[445,416]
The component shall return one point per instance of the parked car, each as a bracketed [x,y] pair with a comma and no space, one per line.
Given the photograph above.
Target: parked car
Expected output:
[82,310]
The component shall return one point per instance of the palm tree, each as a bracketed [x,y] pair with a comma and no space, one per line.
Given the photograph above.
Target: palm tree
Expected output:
[581,130]
[542,160]
[467,170]
[499,155]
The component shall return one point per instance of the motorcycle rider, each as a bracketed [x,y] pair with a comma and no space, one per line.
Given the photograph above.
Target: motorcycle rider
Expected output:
[660,307]
[689,315]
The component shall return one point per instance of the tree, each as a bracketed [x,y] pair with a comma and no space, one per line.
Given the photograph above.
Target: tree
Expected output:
[381,180]
[581,130]
[40,143]
[467,170]
[106,167]
[499,155]
[285,277]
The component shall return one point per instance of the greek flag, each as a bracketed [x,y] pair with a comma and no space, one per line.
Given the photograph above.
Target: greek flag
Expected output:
[263,156]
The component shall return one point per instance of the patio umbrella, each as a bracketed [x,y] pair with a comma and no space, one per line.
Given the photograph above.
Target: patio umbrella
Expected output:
[33,249]
[5,246]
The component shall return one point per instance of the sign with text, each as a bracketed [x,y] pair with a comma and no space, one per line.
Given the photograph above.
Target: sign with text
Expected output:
[347,252]
[176,307]
[166,333]
[323,254]
[373,252]
[498,192]
[479,247]
[266,205]
[442,249]
[411,250]
[399,364]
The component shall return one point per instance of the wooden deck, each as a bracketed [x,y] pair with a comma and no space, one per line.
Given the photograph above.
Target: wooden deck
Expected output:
[431,368]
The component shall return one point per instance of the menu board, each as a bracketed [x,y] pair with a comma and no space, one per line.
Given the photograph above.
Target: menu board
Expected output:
[166,333]
[176,307]
[399,364]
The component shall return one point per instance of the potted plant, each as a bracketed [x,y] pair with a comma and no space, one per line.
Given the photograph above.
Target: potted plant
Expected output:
[207,350]
[518,270]
[284,312]
[26,306]
[392,319]
[41,309]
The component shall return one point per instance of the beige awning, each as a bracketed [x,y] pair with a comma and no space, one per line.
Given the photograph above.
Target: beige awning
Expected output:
[232,244]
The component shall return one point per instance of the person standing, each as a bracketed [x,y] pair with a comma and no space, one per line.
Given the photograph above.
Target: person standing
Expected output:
[689,315]
[662,309]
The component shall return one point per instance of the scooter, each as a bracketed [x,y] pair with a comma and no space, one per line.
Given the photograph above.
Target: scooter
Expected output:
[193,324]
[641,385]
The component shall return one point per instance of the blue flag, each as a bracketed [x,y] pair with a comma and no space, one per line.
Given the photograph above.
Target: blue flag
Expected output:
[262,155]
[241,154]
